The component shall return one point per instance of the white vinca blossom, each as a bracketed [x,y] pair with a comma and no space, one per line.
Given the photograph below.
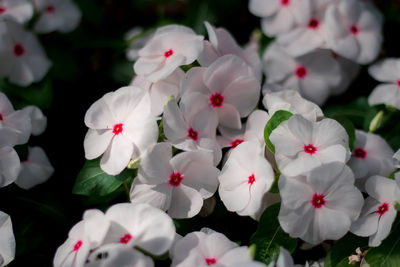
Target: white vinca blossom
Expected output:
[7,240]
[378,213]
[10,166]
[38,119]
[36,169]
[284,259]
[245,178]
[388,72]
[208,247]
[171,46]
[22,59]
[137,39]
[121,128]
[57,15]
[176,184]
[19,10]
[302,145]
[222,43]
[227,87]
[320,205]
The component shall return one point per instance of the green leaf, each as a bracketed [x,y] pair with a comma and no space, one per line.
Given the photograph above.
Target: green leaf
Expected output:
[349,127]
[339,253]
[269,236]
[387,254]
[278,117]
[93,181]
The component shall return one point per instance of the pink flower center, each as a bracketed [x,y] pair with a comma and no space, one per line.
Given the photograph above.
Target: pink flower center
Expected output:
[126,238]
[382,209]
[252,179]
[313,24]
[310,149]
[78,245]
[285,2]
[318,200]
[175,179]
[354,29]
[236,142]
[216,100]
[192,134]
[19,50]
[3,9]
[1,117]
[50,9]
[334,55]
[118,128]
[360,153]
[168,53]
[210,261]
[301,72]
[398,83]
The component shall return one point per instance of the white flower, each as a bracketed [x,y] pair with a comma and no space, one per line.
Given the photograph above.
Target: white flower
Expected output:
[121,127]
[396,159]
[190,128]
[321,205]
[354,30]
[10,166]
[228,87]
[57,15]
[176,184]
[36,169]
[378,212]
[38,120]
[388,72]
[302,145]
[284,259]
[371,156]
[7,240]
[140,39]
[245,178]
[208,247]
[19,10]
[161,91]
[22,59]
[349,71]
[222,43]
[171,46]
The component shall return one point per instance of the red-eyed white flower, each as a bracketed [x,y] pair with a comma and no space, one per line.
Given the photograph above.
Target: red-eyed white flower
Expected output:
[57,15]
[206,248]
[176,184]
[38,119]
[222,43]
[19,10]
[171,46]
[313,74]
[189,127]
[354,30]
[320,205]
[378,213]
[22,59]
[161,91]
[388,72]
[121,128]
[36,169]
[7,240]
[302,145]
[245,178]
[280,16]
[10,166]
[227,87]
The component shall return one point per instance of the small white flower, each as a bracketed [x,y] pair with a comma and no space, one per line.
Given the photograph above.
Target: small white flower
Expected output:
[57,15]
[284,259]
[10,166]
[19,10]
[321,205]
[171,46]
[38,120]
[7,240]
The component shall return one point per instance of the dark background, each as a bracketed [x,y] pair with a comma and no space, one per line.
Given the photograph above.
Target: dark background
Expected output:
[90,62]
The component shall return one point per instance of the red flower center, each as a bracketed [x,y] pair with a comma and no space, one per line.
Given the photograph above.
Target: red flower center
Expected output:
[1,117]
[301,72]
[50,9]
[360,153]
[193,134]
[19,50]
[216,100]
[210,261]
[126,238]
[3,9]
[398,83]
[168,53]
[118,128]
[252,179]
[354,29]
[310,149]
[382,209]
[236,142]
[313,24]
[318,200]
[285,2]
[78,245]
[175,179]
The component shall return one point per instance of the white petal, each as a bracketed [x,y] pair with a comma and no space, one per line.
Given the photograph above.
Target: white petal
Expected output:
[117,155]
[185,202]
